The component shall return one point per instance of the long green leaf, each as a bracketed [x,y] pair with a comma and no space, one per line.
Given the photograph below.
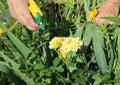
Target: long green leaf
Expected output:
[118,48]
[79,32]
[11,46]
[21,47]
[25,51]
[86,9]
[99,52]
[117,77]
[11,75]
[88,35]
[116,20]
[10,64]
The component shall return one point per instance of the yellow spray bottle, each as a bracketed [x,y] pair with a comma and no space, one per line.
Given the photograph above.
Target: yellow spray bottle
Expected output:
[36,13]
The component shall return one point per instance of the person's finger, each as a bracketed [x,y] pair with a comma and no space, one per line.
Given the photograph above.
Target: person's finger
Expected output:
[28,21]
[23,21]
[97,20]
[19,11]
[100,22]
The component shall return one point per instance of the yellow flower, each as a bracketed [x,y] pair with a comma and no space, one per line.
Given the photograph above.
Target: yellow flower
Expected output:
[64,45]
[71,44]
[63,53]
[33,8]
[93,14]
[1,31]
[55,42]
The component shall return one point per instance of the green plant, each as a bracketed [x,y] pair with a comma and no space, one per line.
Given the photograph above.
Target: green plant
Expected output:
[26,59]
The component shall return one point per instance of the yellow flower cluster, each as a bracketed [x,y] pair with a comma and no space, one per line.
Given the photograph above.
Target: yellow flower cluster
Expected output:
[55,42]
[34,8]
[1,31]
[70,44]
[93,14]
[63,53]
[64,45]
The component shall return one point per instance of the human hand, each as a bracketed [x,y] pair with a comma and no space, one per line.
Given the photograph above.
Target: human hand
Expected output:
[109,8]
[19,11]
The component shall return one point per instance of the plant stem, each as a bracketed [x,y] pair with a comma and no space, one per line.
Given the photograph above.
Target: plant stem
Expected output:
[67,66]
[13,26]
[68,74]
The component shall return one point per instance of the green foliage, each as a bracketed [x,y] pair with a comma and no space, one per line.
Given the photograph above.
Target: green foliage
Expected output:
[3,6]
[25,57]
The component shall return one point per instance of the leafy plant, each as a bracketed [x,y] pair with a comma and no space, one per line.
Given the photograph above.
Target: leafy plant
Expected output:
[26,59]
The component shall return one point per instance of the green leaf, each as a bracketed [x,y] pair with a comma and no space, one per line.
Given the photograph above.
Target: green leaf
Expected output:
[25,51]
[39,66]
[72,67]
[60,69]
[11,75]
[79,32]
[32,74]
[56,61]
[79,59]
[10,64]
[4,69]
[86,4]
[41,74]
[97,81]
[20,46]
[118,42]
[117,78]
[116,20]
[99,52]
[11,46]
[71,34]
[88,34]
[106,76]
[111,54]
[82,80]
[1,44]
[52,68]
[2,6]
